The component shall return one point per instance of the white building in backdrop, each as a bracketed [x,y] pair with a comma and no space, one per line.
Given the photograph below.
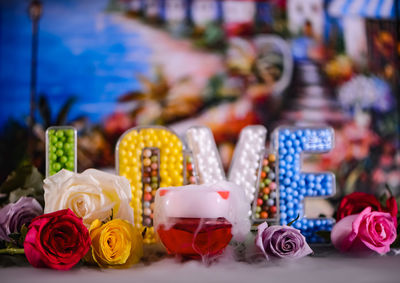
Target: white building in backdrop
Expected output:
[205,11]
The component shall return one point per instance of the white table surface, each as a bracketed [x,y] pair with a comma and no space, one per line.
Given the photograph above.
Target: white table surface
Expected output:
[323,267]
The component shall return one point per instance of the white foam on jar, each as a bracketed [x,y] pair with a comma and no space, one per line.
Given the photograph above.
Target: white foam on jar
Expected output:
[203,201]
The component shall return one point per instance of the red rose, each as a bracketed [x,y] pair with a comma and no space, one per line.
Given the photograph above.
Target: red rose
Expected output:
[57,240]
[356,202]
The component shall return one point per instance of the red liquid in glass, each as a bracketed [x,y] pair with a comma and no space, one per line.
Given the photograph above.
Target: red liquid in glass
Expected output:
[196,237]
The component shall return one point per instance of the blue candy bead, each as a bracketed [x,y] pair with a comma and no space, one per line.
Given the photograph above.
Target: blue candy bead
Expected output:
[297,225]
[310,177]
[295,185]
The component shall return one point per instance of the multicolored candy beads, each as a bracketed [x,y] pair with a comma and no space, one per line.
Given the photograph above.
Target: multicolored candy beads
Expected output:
[151,182]
[265,204]
[132,149]
[60,149]
[190,172]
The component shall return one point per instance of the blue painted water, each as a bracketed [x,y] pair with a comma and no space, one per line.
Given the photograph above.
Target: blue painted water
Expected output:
[83,51]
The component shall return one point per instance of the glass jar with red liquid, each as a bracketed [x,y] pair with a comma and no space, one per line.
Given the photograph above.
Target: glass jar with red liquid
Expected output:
[195,221]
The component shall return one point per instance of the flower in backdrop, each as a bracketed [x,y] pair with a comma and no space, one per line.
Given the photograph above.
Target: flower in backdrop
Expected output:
[364,232]
[281,242]
[356,202]
[115,244]
[91,195]
[58,240]
[14,215]
[367,92]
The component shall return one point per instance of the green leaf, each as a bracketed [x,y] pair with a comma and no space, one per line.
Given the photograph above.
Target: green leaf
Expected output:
[12,153]
[396,243]
[13,260]
[24,231]
[24,181]
[63,114]
[326,235]
[10,245]
[385,195]
[14,236]
[383,198]
[45,111]
[17,239]
[294,220]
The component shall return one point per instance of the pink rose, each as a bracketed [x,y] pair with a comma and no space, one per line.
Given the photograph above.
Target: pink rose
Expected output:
[364,232]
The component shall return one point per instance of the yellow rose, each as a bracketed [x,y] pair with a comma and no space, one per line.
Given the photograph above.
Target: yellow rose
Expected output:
[115,244]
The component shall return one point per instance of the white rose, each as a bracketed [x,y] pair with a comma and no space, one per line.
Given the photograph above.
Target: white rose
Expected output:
[91,195]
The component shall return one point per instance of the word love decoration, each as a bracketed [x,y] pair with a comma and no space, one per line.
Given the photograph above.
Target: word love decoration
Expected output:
[273,182]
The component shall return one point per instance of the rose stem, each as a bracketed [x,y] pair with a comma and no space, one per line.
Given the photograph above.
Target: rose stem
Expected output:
[12,251]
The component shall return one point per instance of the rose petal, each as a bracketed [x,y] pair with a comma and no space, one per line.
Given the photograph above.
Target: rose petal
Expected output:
[341,231]
[259,238]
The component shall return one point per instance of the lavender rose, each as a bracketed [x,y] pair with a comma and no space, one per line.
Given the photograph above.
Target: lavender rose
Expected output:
[14,215]
[281,242]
